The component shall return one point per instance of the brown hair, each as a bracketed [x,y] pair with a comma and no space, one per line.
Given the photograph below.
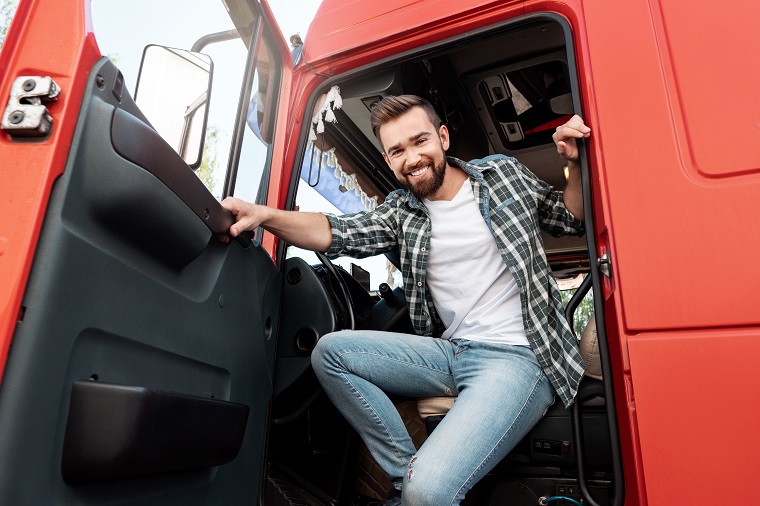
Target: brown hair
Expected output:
[391,107]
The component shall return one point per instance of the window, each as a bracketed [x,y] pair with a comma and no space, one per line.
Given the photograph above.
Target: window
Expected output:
[252,167]
[210,29]
[380,269]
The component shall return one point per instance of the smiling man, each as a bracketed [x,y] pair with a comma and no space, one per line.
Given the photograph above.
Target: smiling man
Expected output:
[490,327]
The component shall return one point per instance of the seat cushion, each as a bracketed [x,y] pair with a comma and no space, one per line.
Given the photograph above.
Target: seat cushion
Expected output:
[434,406]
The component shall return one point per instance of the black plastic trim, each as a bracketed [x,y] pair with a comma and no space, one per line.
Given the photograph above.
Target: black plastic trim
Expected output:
[116,431]
[140,144]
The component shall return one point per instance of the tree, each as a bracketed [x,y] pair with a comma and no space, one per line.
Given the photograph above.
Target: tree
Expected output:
[7,9]
[209,160]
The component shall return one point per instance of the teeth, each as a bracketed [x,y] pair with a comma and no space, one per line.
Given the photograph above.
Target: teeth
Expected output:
[419,171]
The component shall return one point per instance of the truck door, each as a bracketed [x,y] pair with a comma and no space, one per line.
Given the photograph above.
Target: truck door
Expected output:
[137,347]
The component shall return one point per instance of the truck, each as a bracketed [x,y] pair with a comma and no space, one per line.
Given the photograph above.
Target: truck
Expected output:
[146,361]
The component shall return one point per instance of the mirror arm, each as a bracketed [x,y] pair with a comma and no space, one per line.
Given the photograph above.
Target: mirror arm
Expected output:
[188,121]
[213,38]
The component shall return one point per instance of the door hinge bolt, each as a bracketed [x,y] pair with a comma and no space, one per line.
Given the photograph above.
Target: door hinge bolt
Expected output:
[16,117]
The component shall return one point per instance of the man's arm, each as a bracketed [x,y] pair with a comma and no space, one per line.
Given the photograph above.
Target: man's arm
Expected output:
[567,148]
[305,230]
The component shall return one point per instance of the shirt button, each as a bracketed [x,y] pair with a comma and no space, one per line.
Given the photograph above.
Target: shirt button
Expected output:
[423,250]
[419,283]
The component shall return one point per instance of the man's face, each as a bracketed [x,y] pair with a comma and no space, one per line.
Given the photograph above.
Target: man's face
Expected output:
[415,151]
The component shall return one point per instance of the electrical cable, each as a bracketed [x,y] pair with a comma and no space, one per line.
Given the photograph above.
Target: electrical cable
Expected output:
[543,501]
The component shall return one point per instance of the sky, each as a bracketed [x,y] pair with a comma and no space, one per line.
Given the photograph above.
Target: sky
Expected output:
[176,23]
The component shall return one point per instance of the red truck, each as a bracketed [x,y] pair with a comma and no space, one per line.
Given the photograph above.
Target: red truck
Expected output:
[144,361]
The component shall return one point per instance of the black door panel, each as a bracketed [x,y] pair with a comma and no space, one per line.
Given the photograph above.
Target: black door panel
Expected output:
[129,287]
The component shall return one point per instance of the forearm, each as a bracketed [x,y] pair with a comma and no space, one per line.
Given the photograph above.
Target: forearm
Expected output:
[573,194]
[305,230]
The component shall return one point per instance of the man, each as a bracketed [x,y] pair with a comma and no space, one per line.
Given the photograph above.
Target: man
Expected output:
[480,294]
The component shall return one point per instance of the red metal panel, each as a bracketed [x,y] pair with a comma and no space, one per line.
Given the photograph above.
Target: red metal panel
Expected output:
[340,26]
[714,60]
[683,245]
[682,248]
[281,156]
[697,404]
[48,38]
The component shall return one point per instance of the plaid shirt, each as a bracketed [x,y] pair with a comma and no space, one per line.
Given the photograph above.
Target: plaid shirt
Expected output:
[514,204]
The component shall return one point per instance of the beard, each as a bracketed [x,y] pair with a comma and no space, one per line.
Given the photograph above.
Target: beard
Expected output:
[430,185]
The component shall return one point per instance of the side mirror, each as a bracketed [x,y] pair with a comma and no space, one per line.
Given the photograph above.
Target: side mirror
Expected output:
[173,90]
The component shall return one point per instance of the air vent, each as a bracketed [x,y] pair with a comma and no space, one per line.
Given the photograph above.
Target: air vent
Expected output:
[294,276]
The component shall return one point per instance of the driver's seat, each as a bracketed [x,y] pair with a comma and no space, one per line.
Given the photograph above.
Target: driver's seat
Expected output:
[432,409]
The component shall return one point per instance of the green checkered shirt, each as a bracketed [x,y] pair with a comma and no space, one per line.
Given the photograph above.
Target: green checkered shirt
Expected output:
[514,204]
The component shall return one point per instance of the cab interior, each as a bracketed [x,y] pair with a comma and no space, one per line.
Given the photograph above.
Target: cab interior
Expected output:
[501,90]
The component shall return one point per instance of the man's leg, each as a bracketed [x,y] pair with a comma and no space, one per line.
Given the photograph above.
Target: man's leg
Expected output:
[502,393]
[356,368]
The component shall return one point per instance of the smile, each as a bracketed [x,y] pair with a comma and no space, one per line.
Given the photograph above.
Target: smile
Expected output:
[419,171]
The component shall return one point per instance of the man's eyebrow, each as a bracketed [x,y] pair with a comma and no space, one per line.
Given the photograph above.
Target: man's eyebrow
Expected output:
[421,134]
[411,139]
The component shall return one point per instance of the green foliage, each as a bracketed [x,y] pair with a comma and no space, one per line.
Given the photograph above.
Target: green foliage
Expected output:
[209,160]
[583,312]
[7,9]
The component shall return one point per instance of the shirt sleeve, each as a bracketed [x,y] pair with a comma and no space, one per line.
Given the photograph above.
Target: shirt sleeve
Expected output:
[554,217]
[366,233]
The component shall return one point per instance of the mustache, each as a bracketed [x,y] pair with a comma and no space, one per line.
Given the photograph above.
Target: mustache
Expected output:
[419,165]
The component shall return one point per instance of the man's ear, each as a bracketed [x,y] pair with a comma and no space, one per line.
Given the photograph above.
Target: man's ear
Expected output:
[385,157]
[443,133]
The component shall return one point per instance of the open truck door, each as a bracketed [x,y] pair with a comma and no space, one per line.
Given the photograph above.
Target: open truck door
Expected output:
[136,349]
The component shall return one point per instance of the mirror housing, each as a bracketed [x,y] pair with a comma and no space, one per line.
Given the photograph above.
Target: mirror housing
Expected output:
[173,90]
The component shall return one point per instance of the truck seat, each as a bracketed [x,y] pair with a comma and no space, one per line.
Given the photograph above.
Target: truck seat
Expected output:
[436,407]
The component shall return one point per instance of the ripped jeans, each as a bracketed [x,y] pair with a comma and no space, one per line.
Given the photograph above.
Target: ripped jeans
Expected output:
[502,392]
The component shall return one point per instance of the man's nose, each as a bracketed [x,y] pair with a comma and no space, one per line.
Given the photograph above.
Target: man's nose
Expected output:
[412,157]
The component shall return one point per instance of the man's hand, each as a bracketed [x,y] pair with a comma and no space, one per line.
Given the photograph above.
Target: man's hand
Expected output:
[565,137]
[247,216]
[567,148]
[305,230]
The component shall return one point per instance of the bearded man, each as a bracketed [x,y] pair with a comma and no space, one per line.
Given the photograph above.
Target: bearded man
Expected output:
[490,326]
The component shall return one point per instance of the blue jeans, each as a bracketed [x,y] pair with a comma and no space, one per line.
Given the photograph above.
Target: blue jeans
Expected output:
[502,393]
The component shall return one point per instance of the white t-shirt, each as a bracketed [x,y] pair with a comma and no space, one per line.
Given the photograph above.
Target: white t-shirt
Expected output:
[474,293]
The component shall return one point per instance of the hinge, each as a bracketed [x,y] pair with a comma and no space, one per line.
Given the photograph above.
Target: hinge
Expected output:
[605,265]
[26,116]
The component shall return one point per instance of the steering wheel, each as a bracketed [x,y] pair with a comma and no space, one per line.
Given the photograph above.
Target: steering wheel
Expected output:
[342,285]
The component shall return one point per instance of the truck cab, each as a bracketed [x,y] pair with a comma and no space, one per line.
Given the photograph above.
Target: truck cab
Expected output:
[146,361]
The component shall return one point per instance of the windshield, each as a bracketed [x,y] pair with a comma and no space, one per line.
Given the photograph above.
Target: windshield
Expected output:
[379,268]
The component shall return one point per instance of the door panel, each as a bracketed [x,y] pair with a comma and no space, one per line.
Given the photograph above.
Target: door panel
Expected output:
[129,287]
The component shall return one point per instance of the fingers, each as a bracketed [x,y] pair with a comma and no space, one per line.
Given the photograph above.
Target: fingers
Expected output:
[575,128]
[565,135]
[244,213]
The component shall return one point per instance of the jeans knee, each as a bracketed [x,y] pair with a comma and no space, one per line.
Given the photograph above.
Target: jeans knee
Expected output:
[422,488]
[325,352]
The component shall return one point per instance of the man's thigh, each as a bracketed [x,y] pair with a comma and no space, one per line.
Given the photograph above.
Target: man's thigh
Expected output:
[402,364]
